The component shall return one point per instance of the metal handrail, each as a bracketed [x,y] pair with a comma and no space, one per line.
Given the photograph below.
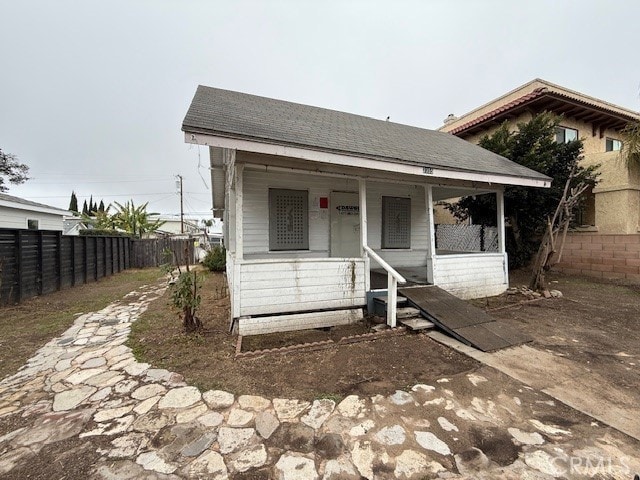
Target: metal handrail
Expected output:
[384,265]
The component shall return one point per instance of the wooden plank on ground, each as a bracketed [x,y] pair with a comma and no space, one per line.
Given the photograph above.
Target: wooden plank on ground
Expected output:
[462,320]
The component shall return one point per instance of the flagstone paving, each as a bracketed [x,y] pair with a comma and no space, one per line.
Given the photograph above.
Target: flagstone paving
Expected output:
[87,384]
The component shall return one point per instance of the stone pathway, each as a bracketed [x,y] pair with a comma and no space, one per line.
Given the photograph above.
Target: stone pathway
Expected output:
[87,384]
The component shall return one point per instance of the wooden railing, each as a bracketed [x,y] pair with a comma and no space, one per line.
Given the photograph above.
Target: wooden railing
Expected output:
[393,278]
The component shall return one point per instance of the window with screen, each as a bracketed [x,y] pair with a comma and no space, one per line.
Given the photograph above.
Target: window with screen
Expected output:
[396,222]
[288,219]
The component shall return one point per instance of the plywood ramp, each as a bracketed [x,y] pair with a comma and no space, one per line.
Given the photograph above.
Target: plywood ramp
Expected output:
[462,320]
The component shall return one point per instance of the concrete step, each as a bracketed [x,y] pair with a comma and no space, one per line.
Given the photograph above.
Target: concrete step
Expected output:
[416,323]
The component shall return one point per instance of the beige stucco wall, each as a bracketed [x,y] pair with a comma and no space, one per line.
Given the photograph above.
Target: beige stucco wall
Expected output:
[617,194]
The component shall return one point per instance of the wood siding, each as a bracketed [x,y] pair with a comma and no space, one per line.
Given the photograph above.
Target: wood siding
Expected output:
[411,257]
[471,275]
[297,285]
[256,208]
[256,215]
[298,321]
[17,218]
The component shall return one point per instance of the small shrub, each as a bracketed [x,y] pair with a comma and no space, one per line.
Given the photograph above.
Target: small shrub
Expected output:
[216,259]
[185,296]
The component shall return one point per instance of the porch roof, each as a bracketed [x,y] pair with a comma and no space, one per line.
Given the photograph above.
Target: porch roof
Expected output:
[253,118]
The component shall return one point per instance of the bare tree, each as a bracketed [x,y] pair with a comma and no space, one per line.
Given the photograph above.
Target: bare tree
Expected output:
[552,245]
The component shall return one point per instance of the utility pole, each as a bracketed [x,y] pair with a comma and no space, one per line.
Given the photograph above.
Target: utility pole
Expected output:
[181,204]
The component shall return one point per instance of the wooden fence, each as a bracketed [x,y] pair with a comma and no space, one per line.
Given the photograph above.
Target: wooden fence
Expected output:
[36,262]
[151,252]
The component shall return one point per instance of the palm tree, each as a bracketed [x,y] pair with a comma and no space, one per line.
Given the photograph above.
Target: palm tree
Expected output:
[631,144]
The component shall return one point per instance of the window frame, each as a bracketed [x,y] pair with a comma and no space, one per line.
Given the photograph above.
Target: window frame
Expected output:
[385,242]
[565,129]
[613,141]
[274,245]
[36,221]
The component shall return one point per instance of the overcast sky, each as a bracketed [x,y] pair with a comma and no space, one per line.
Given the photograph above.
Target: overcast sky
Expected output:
[93,93]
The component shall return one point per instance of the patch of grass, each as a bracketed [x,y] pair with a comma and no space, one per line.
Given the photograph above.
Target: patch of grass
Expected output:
[330,396]
[26,327]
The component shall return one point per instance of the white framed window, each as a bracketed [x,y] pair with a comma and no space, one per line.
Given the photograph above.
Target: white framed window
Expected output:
[566,135]
[32,224]
[613,145]
[288,219]
[396,222]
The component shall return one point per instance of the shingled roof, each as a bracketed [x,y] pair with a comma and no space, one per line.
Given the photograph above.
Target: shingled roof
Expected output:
[242,116]
[23,204]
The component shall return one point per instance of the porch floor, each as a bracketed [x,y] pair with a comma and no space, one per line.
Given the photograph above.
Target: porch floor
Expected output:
[413,275]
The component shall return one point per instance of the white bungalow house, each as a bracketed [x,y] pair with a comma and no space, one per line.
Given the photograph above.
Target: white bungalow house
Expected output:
[319,205]
[18,213]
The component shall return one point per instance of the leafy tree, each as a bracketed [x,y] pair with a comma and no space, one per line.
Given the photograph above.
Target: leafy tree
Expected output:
[92,207]
[73,203]
[135,220]
[85,209]
[101,207]
[527,209]
[11,170]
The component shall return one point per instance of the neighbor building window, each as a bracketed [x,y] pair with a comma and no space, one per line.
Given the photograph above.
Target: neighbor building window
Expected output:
[32,224]
[396,222]
[613,145]
[566,135]
[288,219]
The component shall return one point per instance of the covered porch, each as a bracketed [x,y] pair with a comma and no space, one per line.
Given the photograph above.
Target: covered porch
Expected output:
[305,245]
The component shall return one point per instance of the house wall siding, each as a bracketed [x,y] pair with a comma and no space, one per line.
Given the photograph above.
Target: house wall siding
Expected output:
[256,208]
[256,215]
[17,218]
[301,285]
[418,253]
[471,276]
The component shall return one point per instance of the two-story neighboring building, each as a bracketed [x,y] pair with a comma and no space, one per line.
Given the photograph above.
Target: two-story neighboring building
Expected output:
[611,212]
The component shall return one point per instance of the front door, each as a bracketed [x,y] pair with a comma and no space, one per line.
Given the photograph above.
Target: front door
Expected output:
[345,224]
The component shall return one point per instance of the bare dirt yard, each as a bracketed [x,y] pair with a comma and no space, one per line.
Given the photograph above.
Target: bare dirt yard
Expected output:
[594,323]
[208,361]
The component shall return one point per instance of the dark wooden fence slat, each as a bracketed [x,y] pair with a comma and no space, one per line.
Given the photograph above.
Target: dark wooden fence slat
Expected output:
[39,265]
[19,269]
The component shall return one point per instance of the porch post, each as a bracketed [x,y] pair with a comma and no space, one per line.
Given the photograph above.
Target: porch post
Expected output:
[501,234]
[432,233]
[500,220]
[362,187]
[239,206]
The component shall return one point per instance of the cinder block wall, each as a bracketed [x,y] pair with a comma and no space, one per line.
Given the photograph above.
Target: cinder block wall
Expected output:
[604,256]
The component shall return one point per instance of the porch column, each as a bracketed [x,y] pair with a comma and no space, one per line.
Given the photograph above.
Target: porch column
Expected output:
[239,169]
[428,190]
[500,220]
[501,234]
[362,188]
